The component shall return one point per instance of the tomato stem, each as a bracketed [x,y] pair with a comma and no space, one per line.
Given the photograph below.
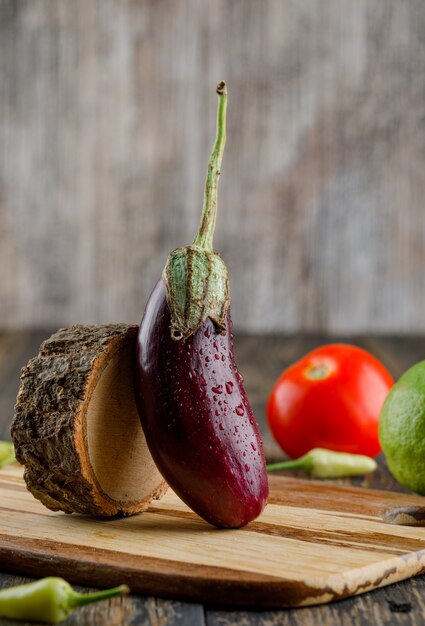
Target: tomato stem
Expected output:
[318,371]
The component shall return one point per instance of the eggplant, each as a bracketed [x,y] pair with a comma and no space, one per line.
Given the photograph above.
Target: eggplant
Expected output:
[194,411]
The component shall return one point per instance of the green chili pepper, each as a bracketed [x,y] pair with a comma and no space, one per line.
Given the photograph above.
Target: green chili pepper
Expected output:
[7,453]
[321,463]
[48,600]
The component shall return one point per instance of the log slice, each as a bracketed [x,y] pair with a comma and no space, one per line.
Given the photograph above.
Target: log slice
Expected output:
[76,427]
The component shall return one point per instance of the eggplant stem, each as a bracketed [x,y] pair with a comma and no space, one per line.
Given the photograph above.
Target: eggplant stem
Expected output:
[205,233]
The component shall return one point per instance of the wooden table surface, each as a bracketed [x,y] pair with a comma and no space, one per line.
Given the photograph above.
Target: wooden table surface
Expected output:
[261,359]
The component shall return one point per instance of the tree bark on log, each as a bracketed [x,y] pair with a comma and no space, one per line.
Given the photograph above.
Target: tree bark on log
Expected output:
[76,427]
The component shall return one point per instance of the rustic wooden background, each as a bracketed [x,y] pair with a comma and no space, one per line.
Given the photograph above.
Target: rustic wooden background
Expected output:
[106,122]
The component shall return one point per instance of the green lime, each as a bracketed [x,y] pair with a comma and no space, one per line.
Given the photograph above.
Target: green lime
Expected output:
[402,429]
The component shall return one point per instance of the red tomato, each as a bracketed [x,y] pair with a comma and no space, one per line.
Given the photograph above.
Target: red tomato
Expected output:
[332,399]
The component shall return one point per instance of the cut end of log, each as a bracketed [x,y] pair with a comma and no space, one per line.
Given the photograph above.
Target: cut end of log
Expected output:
[76,427]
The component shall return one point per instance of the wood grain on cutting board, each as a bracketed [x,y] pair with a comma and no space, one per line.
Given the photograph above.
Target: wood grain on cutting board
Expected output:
[314,543]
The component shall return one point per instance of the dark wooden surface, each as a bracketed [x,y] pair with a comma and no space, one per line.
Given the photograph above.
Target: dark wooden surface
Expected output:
[261,358]
[106,122]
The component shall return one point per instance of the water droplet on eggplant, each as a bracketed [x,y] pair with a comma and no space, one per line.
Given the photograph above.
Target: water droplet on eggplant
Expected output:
[240,410]
[229,387]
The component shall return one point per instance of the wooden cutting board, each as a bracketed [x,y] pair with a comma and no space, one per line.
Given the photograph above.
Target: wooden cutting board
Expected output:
[314,543]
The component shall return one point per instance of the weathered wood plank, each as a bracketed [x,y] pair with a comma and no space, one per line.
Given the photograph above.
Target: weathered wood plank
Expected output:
[398,353]
[399,605]
[130,610]
[106,115]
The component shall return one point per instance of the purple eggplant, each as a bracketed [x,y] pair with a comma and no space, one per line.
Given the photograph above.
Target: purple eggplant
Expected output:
[194,411]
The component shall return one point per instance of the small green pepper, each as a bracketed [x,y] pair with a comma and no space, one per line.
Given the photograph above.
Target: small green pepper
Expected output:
[48,600]
[7,453]
[321,463]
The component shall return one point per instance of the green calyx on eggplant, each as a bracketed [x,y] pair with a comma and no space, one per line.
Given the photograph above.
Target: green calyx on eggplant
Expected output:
[197,420]
[197,287]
